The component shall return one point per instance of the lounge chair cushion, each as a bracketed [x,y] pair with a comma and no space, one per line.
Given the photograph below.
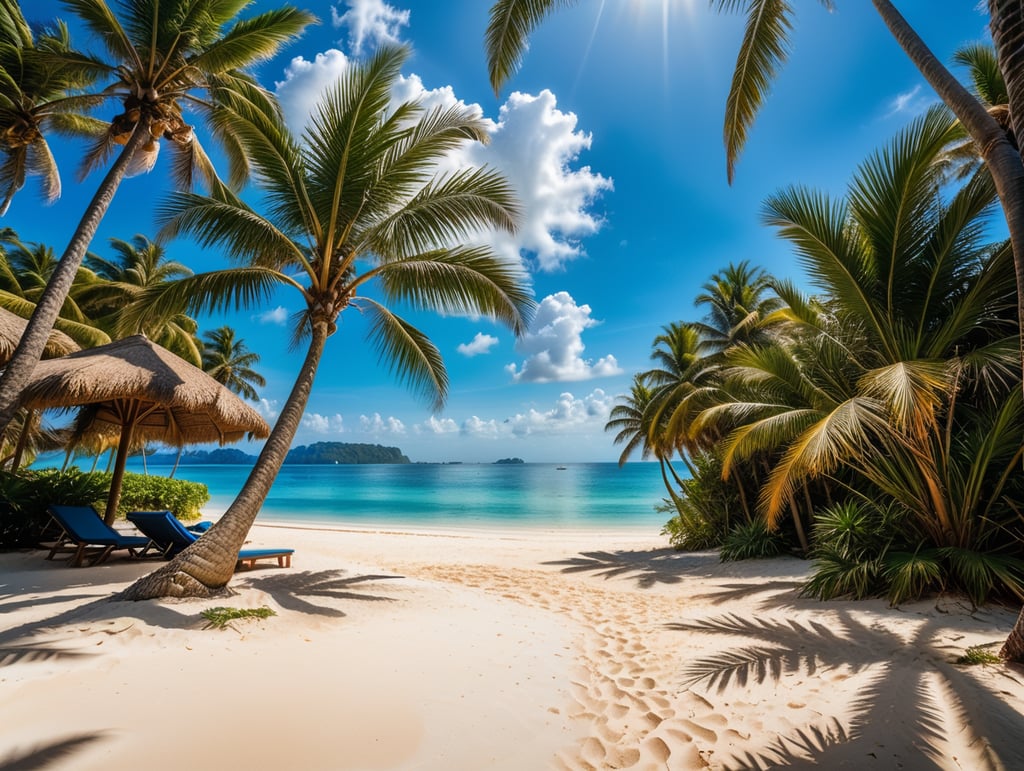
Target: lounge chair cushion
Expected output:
[87,537]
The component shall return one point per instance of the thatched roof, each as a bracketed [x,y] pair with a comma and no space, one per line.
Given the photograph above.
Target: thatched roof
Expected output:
[12,327]
[175,402]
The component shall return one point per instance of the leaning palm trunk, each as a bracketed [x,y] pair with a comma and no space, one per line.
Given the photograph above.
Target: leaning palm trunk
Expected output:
[33,341]
[992,142]
[1008,36]
[205,568]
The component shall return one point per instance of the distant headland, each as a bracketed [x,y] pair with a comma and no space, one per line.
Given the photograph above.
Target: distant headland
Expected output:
[317,453]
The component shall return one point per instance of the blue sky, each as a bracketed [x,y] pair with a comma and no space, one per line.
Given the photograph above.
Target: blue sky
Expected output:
[612,135]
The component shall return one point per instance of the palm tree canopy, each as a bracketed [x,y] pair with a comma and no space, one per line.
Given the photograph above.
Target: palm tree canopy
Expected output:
[164,58]
[42,83]
[138,265]
[228,361]
[357,202]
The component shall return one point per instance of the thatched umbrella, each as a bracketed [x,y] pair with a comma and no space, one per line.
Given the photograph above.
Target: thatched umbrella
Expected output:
[134,383]
[12,327]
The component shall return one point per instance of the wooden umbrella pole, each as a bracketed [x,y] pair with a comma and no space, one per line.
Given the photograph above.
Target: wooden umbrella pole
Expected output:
[26,429]
[123,448]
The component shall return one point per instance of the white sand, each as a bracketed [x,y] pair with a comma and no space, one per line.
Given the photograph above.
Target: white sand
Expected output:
[470,650]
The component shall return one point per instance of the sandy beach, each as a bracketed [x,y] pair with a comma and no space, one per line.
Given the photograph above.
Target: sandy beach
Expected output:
[486,649]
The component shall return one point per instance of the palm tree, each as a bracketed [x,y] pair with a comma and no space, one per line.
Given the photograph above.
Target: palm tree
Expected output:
[137,266]
[228,361]
[914,386]
[163,58]
[41,78]
[737,309]
[357,218]
[682,369]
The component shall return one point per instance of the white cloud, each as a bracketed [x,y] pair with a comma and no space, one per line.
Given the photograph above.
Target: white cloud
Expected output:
[377,425]
[304,82]
[276,315]
[370,22]
[533,144]
[909,102]
[569,415]
[268,409]
[481,429]
[554,345]
[323,424]
[434,425]
[481,343]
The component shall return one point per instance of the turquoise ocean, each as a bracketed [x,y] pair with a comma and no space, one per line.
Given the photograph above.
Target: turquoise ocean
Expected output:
[574,495]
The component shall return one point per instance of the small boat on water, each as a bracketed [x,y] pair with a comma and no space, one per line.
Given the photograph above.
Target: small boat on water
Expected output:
[559,468]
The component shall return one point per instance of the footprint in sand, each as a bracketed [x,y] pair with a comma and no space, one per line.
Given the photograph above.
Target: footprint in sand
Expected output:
[705,734]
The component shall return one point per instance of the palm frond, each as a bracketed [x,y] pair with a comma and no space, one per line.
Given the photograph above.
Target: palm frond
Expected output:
[463,280]
[230,224]
[253,40]
[408,353]
[510,25]
[214,291]
[764,50]
[444,210]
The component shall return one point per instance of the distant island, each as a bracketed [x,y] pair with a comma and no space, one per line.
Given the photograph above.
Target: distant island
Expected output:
[317,453]
[509,460]
[340,452]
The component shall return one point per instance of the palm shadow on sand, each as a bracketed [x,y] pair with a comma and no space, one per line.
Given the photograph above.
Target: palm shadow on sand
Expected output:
[291,589]
[913,698]
[663,566]
[43,756]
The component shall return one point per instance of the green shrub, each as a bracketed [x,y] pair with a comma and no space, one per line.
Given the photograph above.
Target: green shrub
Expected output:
[849,542]
[863,550]
[705,508]
[689,529]
[221,617]
[978,654]
[154,493]
[752,540]
[24,497]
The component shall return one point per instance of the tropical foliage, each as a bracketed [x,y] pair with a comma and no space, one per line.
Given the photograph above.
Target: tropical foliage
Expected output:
[161,62]
[876,425]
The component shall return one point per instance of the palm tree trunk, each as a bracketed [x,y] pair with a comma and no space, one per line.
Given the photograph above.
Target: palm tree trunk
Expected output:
[177,460]
[1001,157]
[1013,648]
[33,341]
[205,567]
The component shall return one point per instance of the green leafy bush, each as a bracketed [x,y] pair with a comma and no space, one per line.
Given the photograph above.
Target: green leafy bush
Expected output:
[863,550]
[24,497]
[850,541]
[154,493]
[752,540]
[704,509]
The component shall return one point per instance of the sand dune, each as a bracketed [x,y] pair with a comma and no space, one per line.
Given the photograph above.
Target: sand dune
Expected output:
[512,650]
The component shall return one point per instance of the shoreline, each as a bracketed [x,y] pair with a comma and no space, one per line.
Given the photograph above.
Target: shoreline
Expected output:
[437,650]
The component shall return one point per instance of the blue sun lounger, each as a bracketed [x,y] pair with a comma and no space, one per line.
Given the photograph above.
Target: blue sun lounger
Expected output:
[86,536]
[167,536]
